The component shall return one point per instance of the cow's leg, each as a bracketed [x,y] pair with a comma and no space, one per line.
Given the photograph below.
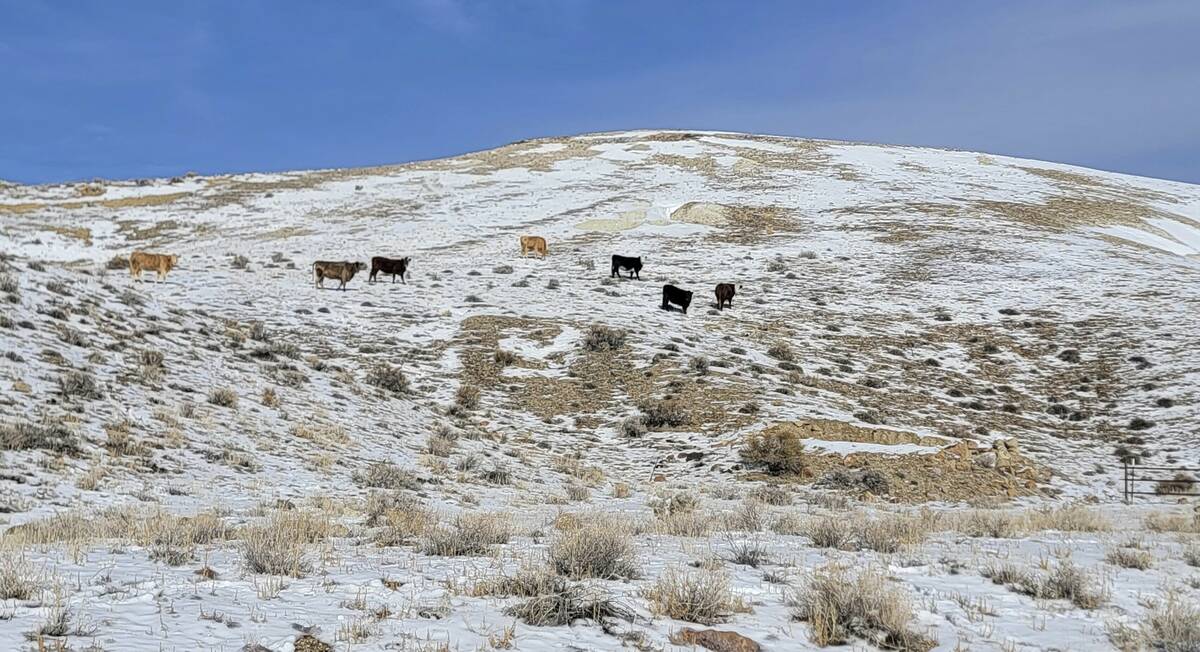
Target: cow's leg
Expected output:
[402,279]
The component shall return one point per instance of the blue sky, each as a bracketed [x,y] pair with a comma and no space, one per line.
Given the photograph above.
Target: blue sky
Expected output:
[127,89]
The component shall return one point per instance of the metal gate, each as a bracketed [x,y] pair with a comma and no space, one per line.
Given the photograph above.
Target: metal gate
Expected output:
[1160,481]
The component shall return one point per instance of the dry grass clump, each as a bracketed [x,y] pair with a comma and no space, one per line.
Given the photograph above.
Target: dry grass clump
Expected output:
[887,533]
[470,534]
[1171,625]
[278,545]
[9,284]
[272,550]
[840,607]
[772,495]
[567,603]
[601,547]
[663,414]
[778,452]
[78,384]
[223,397]
[442,442]
[1172,522]
[386,475]
[1063,581]
[1069,518]
[603,338]
[782,352]
[633,427]
[467,397]
[699,596]
[996,524]
[504,358]
[48,435]
[1191,554]
[678,515]
[117,262]
[1182,483]
[150,364]
[1130,558]
[15,580]
[389,378]
[399,518]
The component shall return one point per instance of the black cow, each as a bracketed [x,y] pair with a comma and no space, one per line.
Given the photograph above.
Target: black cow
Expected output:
[634,265]
[725,292]
[391,266]
[681,298]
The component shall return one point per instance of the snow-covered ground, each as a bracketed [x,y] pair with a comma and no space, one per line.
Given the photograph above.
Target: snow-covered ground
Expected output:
[886,294]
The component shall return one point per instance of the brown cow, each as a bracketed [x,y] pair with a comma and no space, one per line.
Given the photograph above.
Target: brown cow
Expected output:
[141,261]
[534,243]
[725,292]
[340,270]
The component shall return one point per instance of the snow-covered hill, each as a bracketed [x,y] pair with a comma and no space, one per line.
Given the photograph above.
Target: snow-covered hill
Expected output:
[966,327]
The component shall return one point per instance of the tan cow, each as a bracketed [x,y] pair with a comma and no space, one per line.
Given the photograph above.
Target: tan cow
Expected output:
[533,243]
[141,261]
[342,271]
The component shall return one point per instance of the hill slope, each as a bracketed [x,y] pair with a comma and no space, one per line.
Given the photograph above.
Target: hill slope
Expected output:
[961,326]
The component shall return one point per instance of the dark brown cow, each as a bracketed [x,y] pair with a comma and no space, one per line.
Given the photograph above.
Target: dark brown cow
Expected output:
[343,271]
[725,292]
[391,266]
[677,296]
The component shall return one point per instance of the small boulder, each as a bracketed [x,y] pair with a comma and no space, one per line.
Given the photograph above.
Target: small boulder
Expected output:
[715,640]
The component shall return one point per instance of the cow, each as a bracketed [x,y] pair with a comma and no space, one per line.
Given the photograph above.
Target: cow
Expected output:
[142,261]
[725,292]
[677,296]
[634,265]
[391,266]
[340,270]
[534,243]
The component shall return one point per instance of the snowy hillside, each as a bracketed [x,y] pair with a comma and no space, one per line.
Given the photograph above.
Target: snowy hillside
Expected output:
[943,329]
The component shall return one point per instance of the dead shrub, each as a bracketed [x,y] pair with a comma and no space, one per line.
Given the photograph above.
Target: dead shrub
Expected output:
[470,534]
[778,452]
[1172,522]
[273,548]
[663,414]
[389,378]
[223,397]
[603,338]
[504,358]
[1064,581]
[48,435]
[117,262]
[400,519]
[1182,483]
[1069,518]
[840,607]
[16,581]
[467,397]
[568,604]
[78,384]
[633,427]
[996,524]
[1130,558]
[699,596]
[386,475]
[601,547]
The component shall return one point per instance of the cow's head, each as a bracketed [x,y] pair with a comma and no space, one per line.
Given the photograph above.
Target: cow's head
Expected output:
[359,266]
